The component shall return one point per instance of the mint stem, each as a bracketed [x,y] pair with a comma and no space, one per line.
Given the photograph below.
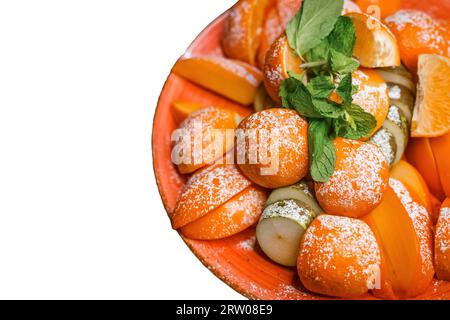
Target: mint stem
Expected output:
[313,64]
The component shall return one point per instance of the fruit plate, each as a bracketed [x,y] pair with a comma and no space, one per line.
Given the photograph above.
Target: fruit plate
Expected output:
[237,260]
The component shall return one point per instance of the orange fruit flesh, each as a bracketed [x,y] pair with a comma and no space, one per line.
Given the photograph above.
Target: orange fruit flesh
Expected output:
[420,155]
[234,216]
[181,110]
[272,30]
[411,178]
[234,80]
[441,151]
[399,245]
[432,110]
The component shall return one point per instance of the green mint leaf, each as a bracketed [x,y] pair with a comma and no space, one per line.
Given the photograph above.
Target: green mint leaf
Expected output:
[341,64]
[319,52]
[299,76]
[355,124]
[321,86]
[343,36]
[321,150]
[327,108]
[345,89]
[295,95]
[313,23]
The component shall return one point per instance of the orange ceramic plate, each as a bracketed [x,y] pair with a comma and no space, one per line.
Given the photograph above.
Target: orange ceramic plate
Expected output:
[236,260]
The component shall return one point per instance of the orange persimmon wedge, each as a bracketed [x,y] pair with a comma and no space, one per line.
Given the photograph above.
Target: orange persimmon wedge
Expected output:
[235,80]
[242,30]
[206,190]
[272,30]
[234,216]
[415,183]
[420,154]
[441,151]
[181,110]
[442,243]
[403,231]
[287,9]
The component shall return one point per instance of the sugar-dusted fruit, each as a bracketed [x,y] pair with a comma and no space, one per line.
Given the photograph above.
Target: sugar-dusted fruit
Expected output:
[442,243]
[243,29]
[279,60]
[272,147]
[358,182]
[432,110]
[203,137]
[207,190]
[412,179]
[281,228]
[272,29]
[420,154]
[234,80]
[416,33]
[375,45]
[384,8]
[287,9]
[399,76]
[373,94]
[339,257]
[403,231]
[350,6]
[237,214]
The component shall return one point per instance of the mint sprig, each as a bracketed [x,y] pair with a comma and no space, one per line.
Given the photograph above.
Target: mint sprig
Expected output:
[325,41]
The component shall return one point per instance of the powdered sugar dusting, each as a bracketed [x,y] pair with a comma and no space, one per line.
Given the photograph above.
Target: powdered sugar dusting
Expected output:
[356,182]
[443,232]
[340,251]
[206,190]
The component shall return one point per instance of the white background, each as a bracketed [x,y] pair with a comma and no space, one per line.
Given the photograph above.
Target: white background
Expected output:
[80,215]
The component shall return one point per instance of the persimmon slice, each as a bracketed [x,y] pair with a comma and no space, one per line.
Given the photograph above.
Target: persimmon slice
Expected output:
[441,151]
[442,243]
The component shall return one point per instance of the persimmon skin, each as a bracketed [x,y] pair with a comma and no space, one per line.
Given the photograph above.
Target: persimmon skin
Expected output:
[442,243]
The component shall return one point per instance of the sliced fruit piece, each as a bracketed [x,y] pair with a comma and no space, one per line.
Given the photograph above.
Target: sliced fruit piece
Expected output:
[442,243]
[273,28]
[424,231]
[272,147]
[441,151]
[203,137]
[397,125]
[287,9]
[373,95]
[206,190]
[384,8]
[375,45]
[386,141]
[358,182]
[281,228]
[416,33]
[243,28]
[234,80]
[263,100]
[403,99]
[420,154]
[234,216]
[350,6]
[400,244]
[432,110]
[339,257]
[181,110]
[398,76]
[436,209]
[301,192]
[279,60]
[411,178]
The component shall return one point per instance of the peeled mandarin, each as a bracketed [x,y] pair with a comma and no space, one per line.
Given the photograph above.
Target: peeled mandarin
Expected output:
[339,257]
[358,182]
[272,147]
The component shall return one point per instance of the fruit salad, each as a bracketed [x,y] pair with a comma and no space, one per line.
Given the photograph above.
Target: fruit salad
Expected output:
[329,142]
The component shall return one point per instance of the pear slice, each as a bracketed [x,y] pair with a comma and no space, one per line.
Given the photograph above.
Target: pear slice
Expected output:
[281,229]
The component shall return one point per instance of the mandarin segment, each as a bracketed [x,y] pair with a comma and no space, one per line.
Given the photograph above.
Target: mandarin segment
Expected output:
[442,243]
[272,147]
[206,190]
[339,257]
[431,116]
[234,80]
[234,216]
[205,136]
[243,29]
[417,33]
[358,182]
